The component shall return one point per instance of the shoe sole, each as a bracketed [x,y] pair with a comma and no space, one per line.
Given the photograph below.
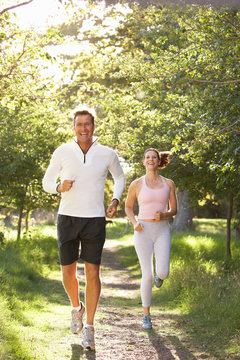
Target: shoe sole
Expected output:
[89,348]
[77,332]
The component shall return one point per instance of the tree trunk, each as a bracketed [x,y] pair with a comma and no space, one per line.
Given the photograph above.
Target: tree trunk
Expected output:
[19,223]
[27,221]
[183,219]
[229,218]
[7,213]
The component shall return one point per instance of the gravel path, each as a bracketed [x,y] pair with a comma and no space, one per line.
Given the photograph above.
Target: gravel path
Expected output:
[119,333]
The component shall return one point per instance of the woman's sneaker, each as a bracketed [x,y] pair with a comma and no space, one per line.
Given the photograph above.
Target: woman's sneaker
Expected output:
[77,324]
[157,281]
[88,342]
[147,324]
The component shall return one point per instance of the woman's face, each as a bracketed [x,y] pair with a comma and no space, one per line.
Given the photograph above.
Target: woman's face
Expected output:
[151,160]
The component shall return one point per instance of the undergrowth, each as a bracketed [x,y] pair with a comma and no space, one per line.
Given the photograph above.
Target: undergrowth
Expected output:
[23,265]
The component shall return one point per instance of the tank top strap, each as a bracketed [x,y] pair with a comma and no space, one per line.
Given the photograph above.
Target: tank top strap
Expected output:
[144,184]
[164,181]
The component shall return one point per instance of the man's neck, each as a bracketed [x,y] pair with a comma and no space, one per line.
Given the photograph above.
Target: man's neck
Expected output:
[85,147]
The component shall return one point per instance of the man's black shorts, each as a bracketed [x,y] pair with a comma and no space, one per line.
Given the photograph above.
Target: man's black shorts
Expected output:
[74,231]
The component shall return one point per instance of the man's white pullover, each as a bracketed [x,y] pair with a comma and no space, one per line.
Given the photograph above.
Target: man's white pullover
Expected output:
[86,197]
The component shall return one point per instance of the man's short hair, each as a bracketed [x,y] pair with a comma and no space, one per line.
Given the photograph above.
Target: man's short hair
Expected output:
[82,112]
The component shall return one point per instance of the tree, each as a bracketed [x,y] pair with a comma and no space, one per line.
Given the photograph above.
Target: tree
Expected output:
[31,123]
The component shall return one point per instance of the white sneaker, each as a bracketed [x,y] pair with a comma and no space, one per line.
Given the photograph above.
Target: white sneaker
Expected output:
[88,342]
[77,324]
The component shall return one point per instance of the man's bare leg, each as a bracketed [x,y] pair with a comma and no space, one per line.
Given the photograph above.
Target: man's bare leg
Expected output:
[93,289]
[70,282]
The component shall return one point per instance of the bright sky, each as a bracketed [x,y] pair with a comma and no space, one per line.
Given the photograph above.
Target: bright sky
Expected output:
[38,13]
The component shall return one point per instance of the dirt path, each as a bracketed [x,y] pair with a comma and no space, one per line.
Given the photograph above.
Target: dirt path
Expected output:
[119,333]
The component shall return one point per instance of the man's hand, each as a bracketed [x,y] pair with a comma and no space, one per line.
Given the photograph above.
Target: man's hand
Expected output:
[65,185]
[112,209]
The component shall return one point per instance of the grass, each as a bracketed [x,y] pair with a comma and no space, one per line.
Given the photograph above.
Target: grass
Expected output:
[203,290]
[26,290]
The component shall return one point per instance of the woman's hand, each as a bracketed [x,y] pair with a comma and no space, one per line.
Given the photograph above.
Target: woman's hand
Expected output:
[138,227]
[158,216]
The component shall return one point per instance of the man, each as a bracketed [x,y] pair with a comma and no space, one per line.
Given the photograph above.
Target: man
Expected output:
[82,167]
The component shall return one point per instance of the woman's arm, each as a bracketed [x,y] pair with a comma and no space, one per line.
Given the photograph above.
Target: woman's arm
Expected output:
[131,197]
[172,204]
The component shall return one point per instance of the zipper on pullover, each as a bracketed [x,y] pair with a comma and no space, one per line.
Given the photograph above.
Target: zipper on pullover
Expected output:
[85,153]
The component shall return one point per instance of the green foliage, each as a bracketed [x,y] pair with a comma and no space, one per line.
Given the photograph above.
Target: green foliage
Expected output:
[206,287]
[31,124]
[27,142]
[1,238]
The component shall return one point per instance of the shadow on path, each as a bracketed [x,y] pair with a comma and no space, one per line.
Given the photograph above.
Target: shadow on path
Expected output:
[78,353]
[178,350]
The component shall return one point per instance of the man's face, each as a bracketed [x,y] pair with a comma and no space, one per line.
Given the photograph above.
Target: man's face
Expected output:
[84,129]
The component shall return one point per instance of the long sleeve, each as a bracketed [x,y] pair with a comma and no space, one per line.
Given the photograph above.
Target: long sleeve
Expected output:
[118,177]
[52,174]
[89,171]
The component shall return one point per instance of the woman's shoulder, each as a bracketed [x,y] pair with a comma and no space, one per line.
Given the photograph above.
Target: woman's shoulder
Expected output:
[137,182]
[169,182]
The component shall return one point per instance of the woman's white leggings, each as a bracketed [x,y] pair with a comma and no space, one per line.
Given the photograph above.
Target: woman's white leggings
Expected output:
[154,238]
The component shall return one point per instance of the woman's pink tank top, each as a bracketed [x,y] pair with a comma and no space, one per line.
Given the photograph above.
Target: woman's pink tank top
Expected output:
[152,200]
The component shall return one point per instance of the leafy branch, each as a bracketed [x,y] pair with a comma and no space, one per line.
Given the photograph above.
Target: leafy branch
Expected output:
[228,82]
[16,62]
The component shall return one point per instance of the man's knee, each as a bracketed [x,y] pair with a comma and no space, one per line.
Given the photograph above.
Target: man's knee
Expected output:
[92,271]
[68,271]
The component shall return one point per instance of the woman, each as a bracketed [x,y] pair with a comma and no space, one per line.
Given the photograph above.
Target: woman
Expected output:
[157,202]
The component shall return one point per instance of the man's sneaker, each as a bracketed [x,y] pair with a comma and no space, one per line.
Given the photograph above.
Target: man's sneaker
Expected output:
[147,324]
[77,324]
[157,281]
[88,342]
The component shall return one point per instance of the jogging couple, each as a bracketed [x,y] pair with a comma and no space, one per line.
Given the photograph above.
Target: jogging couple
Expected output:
[82,167]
